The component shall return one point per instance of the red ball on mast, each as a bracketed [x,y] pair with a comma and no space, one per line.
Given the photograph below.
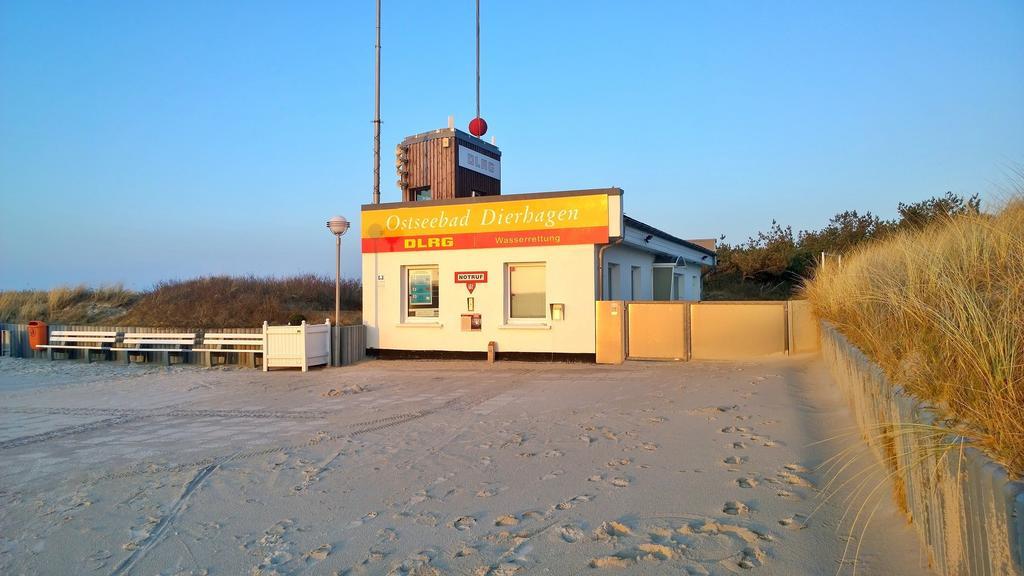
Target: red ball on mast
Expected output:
[478,127]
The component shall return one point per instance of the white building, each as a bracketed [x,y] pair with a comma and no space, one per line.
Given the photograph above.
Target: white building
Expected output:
[447,277]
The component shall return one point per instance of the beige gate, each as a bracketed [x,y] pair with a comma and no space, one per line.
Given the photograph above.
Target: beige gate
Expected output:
[657,330]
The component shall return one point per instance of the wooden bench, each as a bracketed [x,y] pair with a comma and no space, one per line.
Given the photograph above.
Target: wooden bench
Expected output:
[227,342]
[165,343]
[68,340]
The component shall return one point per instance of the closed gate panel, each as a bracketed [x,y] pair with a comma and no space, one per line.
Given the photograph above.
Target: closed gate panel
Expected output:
[657,330]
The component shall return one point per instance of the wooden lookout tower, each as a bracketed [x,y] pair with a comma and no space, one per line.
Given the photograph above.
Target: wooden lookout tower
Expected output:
[447,163]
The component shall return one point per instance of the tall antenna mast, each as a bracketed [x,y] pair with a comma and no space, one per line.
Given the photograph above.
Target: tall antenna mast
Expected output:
[376,116]
[477,58]
[477,126]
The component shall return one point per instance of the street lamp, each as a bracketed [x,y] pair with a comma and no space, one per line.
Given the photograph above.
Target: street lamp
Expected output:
[338,225]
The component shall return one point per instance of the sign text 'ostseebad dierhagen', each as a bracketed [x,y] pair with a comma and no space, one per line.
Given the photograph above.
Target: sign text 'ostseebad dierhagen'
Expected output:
[487,217]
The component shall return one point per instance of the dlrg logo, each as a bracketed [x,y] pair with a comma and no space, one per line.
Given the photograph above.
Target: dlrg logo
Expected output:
[425,243]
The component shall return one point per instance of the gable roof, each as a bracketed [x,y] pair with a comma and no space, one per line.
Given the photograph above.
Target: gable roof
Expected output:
[634,223]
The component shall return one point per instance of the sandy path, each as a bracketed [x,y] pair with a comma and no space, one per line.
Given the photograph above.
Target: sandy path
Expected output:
[430,468]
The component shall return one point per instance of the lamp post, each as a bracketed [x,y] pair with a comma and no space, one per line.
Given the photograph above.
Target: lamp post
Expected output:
[338,225]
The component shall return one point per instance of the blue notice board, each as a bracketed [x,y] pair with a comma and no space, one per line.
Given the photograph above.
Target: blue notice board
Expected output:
[420,287]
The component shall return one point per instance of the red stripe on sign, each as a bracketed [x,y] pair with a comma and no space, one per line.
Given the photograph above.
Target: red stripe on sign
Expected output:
[515,239]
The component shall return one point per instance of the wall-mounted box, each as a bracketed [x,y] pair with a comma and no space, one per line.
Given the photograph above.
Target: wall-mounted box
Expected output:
[471,322]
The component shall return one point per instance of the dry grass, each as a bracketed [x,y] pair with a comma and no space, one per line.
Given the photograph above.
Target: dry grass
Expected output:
[214,302]
[230,301]
[941,310]
[66,305]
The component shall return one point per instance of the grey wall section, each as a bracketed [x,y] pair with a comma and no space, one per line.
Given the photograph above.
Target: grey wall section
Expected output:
[348,343]
[967,511]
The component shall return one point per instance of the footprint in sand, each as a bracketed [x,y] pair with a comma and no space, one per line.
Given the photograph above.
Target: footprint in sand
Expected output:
[796,468]
[609,562]
[735,508]
[375,554]
[571,534]
[619,462]
[646,552]
[553,453]
[795,480]
[786,494]
[657,419]
[98,559]
[746,482]
[649,446]
[506,520]
[595,478]
[552,475]
[739,445]
[573,501]
[366,518]
[319,553]
[735,460]
[659,534]
[611,529]
[619,482]
[464,523]
[649,551]
[464,551]
[795,522]
[516,439]
[752,558]
[532,515]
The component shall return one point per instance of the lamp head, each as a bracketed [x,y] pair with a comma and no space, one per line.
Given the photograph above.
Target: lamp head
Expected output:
[338,225]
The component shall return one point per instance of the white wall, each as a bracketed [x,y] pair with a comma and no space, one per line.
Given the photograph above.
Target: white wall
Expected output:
[627,257]
[690,280]
[637,243]
[570,281]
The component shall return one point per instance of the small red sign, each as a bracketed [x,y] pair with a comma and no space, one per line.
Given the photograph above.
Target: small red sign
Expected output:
[471,277]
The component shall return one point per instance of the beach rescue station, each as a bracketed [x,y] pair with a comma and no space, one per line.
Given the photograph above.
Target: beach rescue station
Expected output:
[456,269]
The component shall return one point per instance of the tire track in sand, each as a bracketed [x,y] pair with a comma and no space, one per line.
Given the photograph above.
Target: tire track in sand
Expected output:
[365,427]
[158,531]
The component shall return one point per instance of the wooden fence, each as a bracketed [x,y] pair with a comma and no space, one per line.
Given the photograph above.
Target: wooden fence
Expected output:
[713,330]
[348,342]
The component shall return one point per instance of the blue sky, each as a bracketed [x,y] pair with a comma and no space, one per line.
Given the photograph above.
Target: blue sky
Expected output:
[142,141]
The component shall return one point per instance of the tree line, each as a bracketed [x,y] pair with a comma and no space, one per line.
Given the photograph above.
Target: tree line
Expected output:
[772,264]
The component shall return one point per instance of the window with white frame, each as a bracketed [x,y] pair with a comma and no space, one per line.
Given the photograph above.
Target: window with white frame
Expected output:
[614,282]
[422,296]
[527,291]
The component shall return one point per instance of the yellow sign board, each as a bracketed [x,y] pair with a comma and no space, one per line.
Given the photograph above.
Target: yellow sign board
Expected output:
[482,224]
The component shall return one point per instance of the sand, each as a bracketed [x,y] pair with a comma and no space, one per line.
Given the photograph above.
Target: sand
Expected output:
[433,468]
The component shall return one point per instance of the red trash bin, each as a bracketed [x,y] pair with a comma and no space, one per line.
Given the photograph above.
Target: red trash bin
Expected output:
[37,335]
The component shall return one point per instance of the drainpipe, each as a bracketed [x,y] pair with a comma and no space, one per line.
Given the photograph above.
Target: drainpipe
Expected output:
[600,267]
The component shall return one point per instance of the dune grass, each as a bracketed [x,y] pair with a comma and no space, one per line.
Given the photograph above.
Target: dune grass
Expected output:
[941,311]
[212,302]
[66,304]
[241,301]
